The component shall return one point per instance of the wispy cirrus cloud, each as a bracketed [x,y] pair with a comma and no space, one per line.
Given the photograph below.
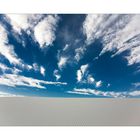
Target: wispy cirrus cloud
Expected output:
[5,68]
[112,94]
[7,50]
[119,33]
[14,80]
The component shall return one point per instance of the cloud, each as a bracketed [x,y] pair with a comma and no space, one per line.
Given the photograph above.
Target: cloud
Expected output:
[23,21]
[103,25]
[113,94]
[119,33]
[83,76]
[77,92]
[44,31]
[18,22]
[84,68]
[42,70]
[66,47]
[136,84]
[43,26]
[134,56]
[134,93]
[79,53]
[38,68]
[88,91]
[7,50]
[91,25]
[14,80]
[62,62]
[98,84]
[56,74]
[79,75]
[5,68]
[81,72]
[90,79]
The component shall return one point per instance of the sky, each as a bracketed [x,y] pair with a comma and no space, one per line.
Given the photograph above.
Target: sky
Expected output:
[70,55]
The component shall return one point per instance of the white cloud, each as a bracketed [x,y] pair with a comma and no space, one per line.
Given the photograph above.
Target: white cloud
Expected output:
[7,50]
[91,25]
[66,47]
[90,79]
[44,27]
[23,21]
[88,91]
[38,68]
[81,72]
[44,31]
[79,75]
[103,25]
[134,56]
[98,84]
[118,32]
[19,21]
[62,62]
[57,75]
[78,92]
[26,66]
[113,94]
[5,68]
[42,70]
[83,76]
[14,80]
[35,67]
[134,93]
[84,68]
[79,53]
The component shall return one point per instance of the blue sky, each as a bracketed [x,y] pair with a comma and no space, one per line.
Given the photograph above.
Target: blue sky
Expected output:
[70,55]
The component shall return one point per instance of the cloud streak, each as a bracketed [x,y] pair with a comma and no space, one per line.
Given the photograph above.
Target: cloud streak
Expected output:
[119,33]
[14,80]
[7,50]
[111,94]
